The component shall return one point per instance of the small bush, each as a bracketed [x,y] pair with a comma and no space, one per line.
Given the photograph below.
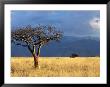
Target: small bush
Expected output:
[74,55]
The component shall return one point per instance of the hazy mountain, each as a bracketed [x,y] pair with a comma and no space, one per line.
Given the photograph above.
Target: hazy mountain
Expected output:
[83,46]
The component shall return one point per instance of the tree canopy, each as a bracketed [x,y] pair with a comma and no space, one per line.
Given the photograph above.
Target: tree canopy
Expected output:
[38,35]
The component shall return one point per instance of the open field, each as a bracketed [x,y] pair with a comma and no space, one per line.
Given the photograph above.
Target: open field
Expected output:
[56,67]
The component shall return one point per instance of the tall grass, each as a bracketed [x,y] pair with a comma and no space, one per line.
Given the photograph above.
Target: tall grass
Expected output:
[56,67]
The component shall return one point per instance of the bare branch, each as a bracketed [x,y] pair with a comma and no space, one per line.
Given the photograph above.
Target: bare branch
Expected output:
[40,34]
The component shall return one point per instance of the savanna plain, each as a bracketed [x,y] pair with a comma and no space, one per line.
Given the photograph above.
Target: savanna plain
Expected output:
[56,67]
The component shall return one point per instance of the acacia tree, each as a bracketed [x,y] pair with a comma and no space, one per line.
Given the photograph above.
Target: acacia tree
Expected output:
[34,38]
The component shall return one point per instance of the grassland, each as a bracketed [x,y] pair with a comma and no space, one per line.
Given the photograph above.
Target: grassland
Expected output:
[56,67]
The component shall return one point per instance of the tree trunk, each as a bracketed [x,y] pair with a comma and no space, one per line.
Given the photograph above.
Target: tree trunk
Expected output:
[36,57]
[35,60]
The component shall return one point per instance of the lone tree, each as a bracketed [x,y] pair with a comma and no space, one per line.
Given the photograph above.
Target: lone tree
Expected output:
[34,38]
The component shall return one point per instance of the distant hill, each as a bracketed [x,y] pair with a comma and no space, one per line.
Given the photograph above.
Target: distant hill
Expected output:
[83,46]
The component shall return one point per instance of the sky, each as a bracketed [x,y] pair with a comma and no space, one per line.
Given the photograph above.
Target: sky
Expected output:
[72,23]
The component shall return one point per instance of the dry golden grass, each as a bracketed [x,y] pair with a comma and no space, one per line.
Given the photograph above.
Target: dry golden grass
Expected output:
[56,67]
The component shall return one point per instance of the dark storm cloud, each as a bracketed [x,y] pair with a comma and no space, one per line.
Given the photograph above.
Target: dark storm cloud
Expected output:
[71,22]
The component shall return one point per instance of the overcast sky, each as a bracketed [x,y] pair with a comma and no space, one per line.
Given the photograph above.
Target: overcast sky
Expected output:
[72,23]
